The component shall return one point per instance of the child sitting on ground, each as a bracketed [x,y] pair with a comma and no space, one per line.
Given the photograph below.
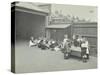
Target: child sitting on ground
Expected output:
[43,44]
[32,42]
[58,47]
[53,44]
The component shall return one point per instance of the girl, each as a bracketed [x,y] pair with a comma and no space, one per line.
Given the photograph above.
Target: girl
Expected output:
[31,42]
[85,49]
[75,41]
[66,47]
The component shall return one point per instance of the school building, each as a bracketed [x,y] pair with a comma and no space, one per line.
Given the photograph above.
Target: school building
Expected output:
[29,20]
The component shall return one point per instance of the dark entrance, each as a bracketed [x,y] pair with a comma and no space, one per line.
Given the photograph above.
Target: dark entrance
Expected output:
[28,25]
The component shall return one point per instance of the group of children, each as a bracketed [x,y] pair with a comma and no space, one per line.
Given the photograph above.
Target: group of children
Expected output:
[77,41]
[64,46]
[44,43]
[82,42]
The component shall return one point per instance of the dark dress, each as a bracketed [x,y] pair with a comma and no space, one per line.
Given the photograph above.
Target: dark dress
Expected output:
[76,43]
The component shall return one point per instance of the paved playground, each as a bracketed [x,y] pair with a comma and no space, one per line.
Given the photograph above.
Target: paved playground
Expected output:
[33,59]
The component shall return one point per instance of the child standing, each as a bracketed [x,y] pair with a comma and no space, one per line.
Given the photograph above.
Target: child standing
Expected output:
[66,47]
[85,49]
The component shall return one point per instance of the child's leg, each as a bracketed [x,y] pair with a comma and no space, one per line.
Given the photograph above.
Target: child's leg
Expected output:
[84,55]
[87,53]
[87,56]
[66,55]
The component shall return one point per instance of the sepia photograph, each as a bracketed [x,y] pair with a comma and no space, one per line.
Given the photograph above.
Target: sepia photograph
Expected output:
[53,37]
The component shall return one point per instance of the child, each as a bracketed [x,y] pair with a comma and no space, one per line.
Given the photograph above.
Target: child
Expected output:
[43,44]
[79,40]
[40,43]
[31,42]
[75,41]
[65,39]
[52,44]
[36,42]
[49,43]
[85,50]
[57,46]
[66,47]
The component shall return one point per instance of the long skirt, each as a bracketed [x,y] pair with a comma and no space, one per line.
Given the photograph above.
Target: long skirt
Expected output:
[83,51]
